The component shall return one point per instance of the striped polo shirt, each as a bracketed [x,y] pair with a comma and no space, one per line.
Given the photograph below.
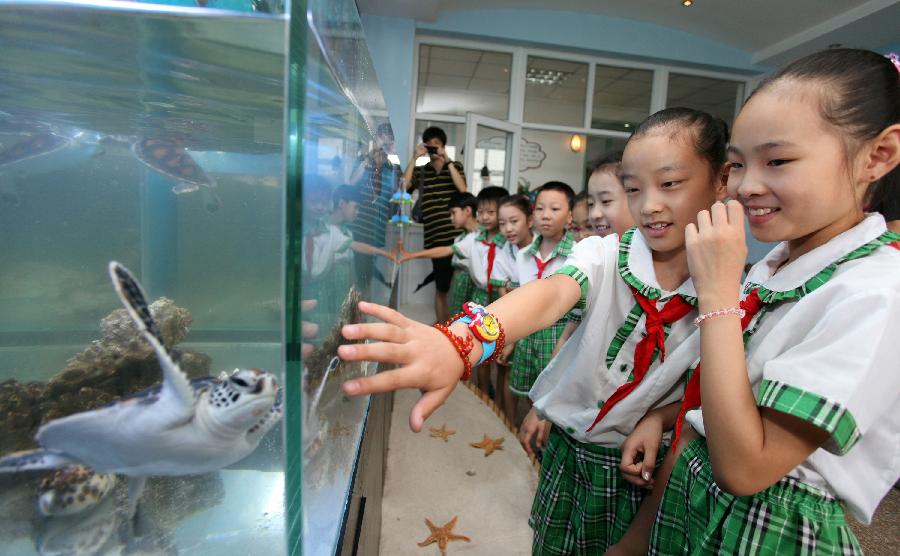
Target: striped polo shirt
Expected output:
[436,192]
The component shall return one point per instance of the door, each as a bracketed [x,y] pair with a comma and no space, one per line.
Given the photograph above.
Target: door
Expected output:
[492,153]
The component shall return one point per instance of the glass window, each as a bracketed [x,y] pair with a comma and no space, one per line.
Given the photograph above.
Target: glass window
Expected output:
[492,148]
[716,96]
[460,80]
[555,91]
[621,97]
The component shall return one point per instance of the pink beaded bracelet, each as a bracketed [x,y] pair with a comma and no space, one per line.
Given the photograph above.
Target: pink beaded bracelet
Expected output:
[720,313]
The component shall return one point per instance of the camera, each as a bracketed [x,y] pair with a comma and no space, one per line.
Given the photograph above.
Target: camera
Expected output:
[431,149]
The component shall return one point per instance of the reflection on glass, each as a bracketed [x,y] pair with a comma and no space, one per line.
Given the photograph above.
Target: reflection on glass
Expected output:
[621,97]
[156,141]
[555,91]
[346,173]
[459,80]
[716,96]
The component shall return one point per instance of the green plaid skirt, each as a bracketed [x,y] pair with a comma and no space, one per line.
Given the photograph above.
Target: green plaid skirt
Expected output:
[479,296]
[531,355]
[462,289]
[789,517]
[582,504]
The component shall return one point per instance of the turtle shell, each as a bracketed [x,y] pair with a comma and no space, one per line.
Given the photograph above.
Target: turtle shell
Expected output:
[172,160]
[32,146]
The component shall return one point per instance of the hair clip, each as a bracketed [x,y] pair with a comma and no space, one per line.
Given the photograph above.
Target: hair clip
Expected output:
[895,59]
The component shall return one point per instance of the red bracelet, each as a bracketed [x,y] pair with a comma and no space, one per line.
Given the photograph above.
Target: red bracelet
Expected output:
[462,346]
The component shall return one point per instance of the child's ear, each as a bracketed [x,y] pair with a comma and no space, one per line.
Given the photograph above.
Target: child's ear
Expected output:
[722,182]
[883,155]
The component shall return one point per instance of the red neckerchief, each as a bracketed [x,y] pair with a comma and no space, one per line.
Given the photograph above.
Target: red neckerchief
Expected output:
[541,265]
[675,309]
[751,305]
[895,245]
[492,254]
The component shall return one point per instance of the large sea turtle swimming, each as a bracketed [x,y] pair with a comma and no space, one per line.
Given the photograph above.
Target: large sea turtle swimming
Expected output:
[180,427]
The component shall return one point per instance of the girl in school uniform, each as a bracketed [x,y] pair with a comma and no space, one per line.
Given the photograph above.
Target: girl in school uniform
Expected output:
[516,225]
[799,384]
[673,167]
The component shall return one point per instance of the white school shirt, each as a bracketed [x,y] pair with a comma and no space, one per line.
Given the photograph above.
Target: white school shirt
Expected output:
[457,262]
[525,268]
[589,368]
[474,254]
[830,358]
[329,243]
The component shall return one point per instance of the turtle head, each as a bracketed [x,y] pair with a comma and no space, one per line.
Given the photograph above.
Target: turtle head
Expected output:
[241,398]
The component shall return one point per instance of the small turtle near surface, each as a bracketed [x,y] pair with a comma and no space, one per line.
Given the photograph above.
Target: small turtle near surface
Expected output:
[180,427]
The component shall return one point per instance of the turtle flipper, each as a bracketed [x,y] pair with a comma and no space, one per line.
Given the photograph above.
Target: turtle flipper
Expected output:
[34,460]
[176,387]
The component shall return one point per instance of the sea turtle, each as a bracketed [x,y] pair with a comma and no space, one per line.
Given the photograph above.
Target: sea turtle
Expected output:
[173,160]
[180,427]
[23,139]
[73,489]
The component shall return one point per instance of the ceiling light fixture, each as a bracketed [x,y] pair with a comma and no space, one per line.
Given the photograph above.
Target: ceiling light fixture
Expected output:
[687,3]
[545,77]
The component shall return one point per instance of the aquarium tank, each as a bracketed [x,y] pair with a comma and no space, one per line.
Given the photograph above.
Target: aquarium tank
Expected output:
[235,159]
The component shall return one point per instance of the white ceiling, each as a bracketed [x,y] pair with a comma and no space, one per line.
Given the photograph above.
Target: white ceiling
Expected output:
[769,29]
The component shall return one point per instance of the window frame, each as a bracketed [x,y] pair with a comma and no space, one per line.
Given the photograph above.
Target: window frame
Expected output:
[520,54]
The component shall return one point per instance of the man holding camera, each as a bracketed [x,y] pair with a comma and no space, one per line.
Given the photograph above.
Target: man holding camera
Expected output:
[436,181]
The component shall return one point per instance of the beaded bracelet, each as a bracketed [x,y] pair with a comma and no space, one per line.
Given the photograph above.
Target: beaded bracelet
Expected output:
[463,347]
[720,313]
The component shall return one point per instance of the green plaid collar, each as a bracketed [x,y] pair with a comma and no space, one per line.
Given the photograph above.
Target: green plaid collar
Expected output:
[562,249]
[815,268]
[635,266]
[498,239]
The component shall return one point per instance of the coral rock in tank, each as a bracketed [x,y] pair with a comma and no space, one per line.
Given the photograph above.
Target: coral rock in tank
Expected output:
[319,362]
[117,364]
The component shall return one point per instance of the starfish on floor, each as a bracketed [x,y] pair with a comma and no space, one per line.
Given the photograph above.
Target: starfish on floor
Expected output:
[489,444]
[442,535]
[442,432]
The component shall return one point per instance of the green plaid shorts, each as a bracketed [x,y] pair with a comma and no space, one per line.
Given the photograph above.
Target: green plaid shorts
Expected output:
[789,517]
[582,504]
[531,355]
[462,289]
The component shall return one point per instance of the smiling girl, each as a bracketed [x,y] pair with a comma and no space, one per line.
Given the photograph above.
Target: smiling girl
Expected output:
[799,381]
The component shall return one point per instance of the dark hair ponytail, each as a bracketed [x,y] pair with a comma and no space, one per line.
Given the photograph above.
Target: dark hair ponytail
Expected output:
[860,96]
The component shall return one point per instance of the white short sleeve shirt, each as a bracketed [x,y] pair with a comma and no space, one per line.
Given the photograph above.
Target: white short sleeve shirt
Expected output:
[827,354]
[599,357]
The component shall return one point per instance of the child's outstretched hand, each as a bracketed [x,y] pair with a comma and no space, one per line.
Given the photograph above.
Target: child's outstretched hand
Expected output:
[716,251]
[640,449]
[426,358]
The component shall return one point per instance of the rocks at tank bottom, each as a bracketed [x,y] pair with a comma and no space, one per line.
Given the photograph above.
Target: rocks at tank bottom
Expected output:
[120,363]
